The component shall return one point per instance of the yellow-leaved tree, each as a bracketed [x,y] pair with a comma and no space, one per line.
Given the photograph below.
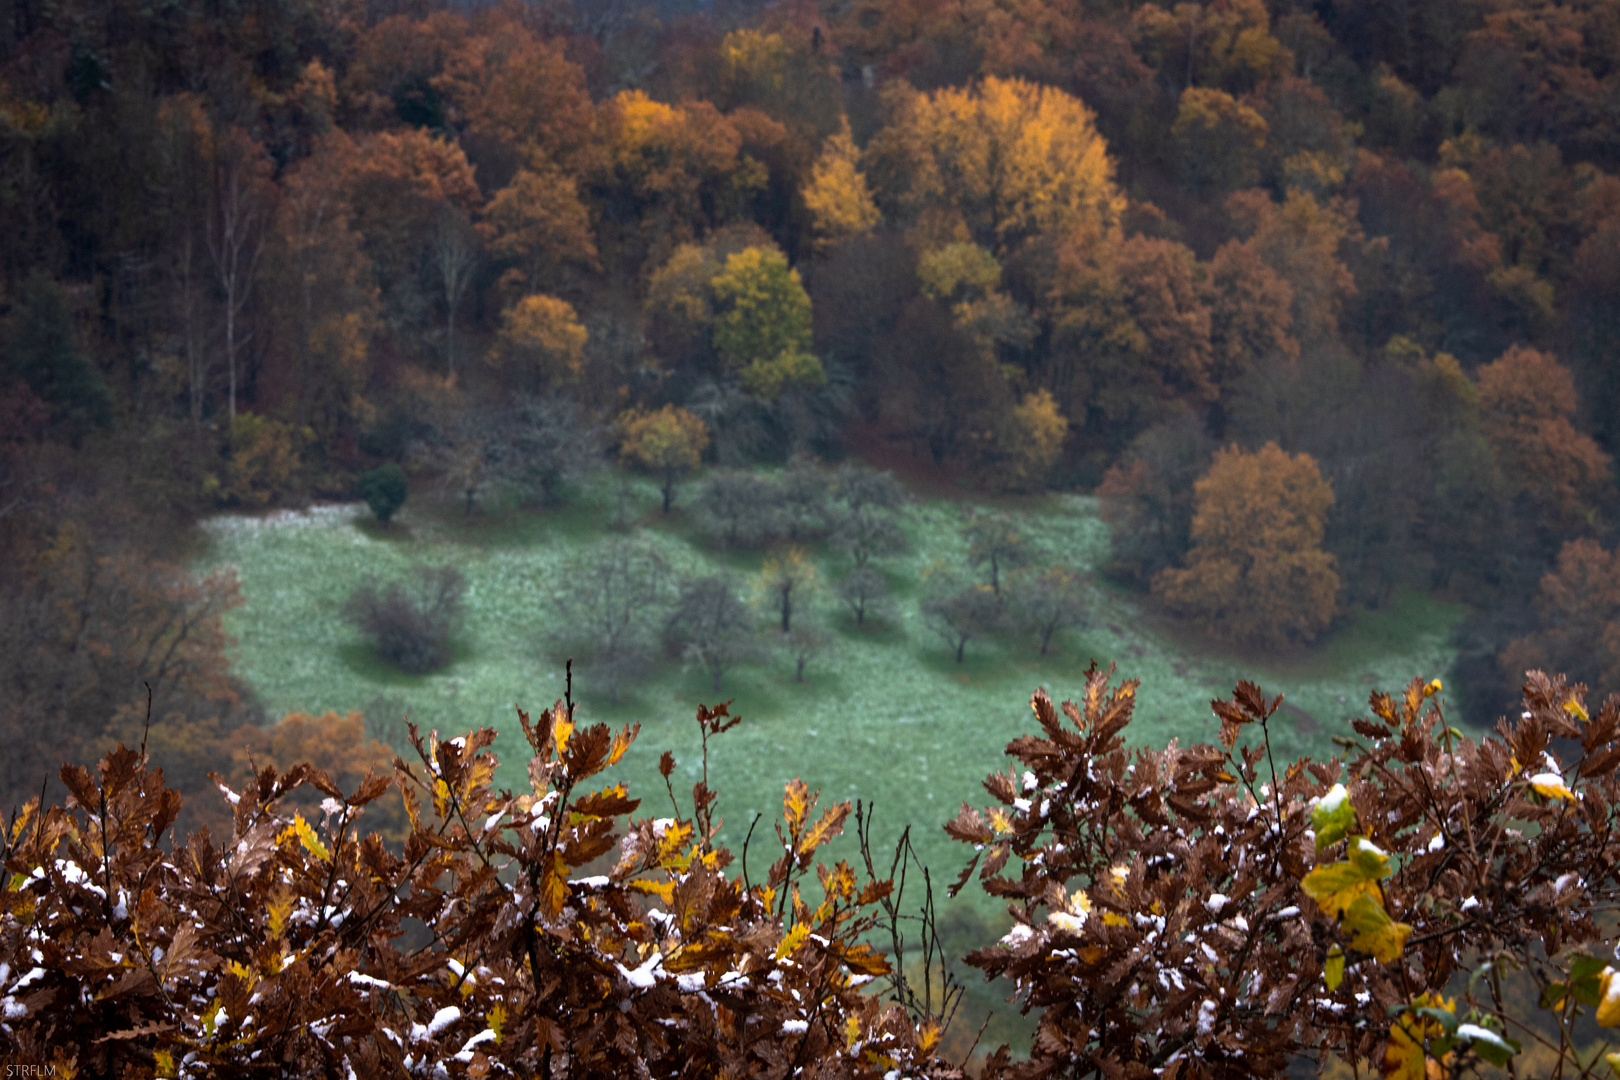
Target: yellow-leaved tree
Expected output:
[1001,162]
[669,442]
[763,328]
[837,196]
[1256,572]
[1029,441]
[541,342]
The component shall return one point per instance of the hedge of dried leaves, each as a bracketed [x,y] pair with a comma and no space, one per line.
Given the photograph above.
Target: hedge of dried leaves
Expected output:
[1184,912]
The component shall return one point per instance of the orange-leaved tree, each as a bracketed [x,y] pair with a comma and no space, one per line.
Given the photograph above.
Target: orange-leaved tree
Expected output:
[1207,912]
[1256,570]
[1527,406]
[1578,608]
[290,942]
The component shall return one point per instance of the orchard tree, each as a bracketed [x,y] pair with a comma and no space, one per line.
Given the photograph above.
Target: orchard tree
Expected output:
[668,443]
[711,628]
[1047,601]
[995,542]
[1147,497]
[803,489]
[612,599]
[865,513]
[551,442]
[785,577]
[802,644]
[1256,571]
[738,508]
[960,612]
[866,592]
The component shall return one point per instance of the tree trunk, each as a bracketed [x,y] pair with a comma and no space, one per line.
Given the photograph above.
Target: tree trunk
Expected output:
[787,609]
[471,492]
[715,671]
[799,677]
[961,643]
[669,489]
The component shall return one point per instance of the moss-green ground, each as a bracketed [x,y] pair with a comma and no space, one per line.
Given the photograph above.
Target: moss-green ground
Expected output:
[885,715]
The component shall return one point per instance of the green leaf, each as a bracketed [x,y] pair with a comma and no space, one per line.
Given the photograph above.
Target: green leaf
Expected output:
[1444,1017]
[1369,858]
[1490,1046]
[1333,970]
[1586,978]
[1332,817]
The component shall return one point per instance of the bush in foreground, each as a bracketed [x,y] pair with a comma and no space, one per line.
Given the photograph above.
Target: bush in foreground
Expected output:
[1182,913]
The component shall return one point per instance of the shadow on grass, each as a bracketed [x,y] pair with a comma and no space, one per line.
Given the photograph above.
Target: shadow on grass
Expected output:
[395,532]
[983,662]
[361,658]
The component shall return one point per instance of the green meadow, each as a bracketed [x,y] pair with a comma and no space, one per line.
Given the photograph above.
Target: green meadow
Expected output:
[885,714]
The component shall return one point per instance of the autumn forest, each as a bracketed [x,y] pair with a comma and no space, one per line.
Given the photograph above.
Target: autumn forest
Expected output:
[1314,302]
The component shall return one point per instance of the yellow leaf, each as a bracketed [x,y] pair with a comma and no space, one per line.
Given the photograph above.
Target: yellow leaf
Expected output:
[1373,931]
[561,729]
[1551,786]
[852,1030]
[554,885]
[1333,970]
[1575,708]
[277,911]
[164,1062]
[830,825]
[1405,1057]
[497,1020]
[1114,918]
[1614,1062]
[999,821]
[795,803]
[928,1036]
[411,811]
[621,743]
[1336,886]
[791,942]
[307,837]
[1434,687]
[664,890]
[1608,1010]
[24,816]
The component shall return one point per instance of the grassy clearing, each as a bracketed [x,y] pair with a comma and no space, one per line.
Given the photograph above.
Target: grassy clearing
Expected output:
[885,714]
